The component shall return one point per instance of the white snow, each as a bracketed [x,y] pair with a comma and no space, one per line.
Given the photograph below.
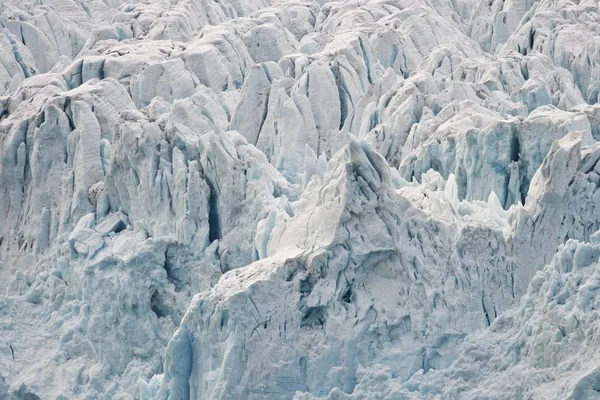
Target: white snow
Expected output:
[253,199]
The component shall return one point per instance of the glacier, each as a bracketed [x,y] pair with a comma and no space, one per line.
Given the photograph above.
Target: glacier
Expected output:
[277,199]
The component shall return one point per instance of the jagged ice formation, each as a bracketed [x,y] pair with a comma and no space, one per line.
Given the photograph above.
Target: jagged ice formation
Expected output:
[265,199]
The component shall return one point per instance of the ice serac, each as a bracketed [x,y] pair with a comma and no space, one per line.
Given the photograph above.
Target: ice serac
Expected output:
[251,112]
[167,79]
[571,43]
[493,22]
[562,203]
[358,276]
[218,58]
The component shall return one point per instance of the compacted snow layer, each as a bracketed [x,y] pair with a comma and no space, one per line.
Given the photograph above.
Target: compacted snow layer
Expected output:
[263,199]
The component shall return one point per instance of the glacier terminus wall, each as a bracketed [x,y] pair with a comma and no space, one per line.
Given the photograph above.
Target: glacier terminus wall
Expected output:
[293,199]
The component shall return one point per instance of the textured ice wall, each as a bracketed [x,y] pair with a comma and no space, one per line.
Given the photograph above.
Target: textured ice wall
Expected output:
[345,193]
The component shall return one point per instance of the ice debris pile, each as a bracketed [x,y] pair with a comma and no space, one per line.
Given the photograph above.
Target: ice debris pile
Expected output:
[257,199]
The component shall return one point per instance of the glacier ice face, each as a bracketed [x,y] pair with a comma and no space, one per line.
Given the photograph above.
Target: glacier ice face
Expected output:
[544,341]
[362,282]
[254,199]
[341,288]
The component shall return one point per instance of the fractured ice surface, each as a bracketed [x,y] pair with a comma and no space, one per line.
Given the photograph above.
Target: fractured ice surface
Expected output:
[253,199]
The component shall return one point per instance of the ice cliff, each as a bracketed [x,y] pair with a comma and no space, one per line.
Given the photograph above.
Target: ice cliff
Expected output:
[259,199]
